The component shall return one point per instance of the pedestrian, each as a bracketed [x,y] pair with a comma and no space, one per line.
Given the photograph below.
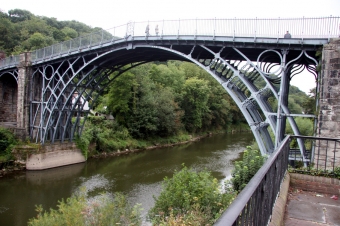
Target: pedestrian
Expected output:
[156,30]
[147,30]
[287,35]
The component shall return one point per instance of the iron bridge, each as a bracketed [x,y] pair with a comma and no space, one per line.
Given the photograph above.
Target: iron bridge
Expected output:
[250,58]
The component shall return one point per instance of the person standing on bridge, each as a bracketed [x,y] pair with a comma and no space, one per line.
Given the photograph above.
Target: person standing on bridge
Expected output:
[147,30]
[156,30]
[287,35]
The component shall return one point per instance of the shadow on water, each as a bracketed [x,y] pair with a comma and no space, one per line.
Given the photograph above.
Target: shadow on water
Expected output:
[139,176]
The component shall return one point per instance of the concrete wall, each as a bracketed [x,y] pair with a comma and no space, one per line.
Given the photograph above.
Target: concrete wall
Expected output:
[54,155]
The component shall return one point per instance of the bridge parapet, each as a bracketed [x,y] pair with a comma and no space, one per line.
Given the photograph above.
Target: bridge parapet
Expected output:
[299,28]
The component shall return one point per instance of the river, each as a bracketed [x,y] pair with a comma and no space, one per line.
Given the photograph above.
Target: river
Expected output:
[139,176]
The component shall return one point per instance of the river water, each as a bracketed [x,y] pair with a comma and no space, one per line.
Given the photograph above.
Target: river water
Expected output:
[139,176]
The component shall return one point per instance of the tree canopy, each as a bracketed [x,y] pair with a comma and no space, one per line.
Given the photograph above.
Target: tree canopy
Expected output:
[23,31]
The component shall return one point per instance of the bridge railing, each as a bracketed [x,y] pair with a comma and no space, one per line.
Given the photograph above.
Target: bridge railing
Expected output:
[299,28]
[254,205]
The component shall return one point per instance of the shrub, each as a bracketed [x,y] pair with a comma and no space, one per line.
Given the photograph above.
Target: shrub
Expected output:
[7,141]
[77,210]
[244,170]
[188,193]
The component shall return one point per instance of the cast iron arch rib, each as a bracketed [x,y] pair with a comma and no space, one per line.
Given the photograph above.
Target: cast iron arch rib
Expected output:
[90,73]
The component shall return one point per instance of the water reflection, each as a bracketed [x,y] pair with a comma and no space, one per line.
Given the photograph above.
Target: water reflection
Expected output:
[139,176]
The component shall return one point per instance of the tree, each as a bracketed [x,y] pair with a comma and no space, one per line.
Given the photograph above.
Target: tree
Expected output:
[36,41]
[194,103]
[309,105]
[18,15]
[70,33]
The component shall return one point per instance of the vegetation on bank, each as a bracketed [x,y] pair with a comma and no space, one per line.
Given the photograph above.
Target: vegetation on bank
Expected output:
[7,142]
[195,196]
[79,210]
[188,198]
[244,170]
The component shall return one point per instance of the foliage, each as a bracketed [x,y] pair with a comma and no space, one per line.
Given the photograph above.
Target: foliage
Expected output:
[23,31]
[244,170]
[316,172]
[7,141]
[161,100]
[309,105]
[107,135]
[189,194]
[196,216]
[78,210]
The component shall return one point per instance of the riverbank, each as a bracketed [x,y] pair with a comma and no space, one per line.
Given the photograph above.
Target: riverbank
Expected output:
[127,151]
[13,166]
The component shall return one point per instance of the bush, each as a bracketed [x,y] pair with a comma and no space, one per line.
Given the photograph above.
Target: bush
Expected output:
[187,194]
[7,141]
[244,170]
[77,210]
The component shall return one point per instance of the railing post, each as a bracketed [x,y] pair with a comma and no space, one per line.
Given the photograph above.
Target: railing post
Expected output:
[79,48]
[196,29]
[101,41]
[329,27]
[234,28]
[303,26]
[278,28]
[214,27]
[255,28]
[179,24]
[52,51]
[114,32]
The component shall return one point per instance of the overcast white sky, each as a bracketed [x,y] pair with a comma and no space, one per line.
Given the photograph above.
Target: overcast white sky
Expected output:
[110,13]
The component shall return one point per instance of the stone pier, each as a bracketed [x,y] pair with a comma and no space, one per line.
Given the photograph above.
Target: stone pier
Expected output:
[47,156]
[329,99]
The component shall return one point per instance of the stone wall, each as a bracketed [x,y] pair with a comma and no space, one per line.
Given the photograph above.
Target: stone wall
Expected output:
[8,100]
[329,100]
[24,74]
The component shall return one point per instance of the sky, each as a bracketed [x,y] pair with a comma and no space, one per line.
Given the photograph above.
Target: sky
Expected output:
[110,13]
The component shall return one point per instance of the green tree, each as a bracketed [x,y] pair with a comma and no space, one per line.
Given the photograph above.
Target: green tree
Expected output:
[18,15]
[194,103]
[309,105]
[36,41]
[70,32]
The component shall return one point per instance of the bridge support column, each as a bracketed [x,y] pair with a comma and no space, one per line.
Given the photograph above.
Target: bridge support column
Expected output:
[24,73]
[329,90]
[283,101]
[329,102]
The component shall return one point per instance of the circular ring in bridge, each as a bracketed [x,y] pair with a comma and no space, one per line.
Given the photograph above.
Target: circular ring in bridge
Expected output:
[271,73]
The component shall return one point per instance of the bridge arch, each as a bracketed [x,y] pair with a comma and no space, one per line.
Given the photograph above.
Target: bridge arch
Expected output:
[232,66]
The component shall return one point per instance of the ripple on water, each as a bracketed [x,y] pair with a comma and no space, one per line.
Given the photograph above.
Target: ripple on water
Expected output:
[3,209]
[93,183]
